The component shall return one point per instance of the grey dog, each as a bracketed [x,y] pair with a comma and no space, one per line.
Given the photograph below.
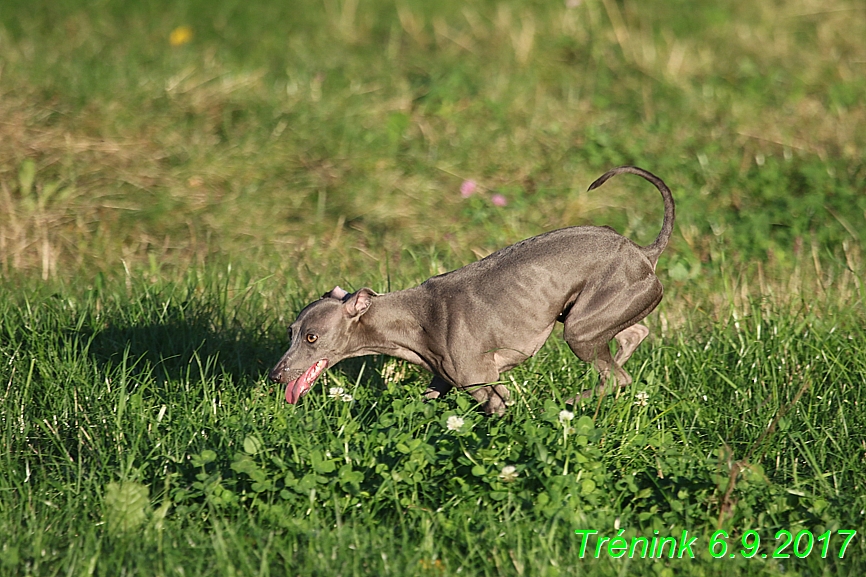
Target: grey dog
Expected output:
[469,325]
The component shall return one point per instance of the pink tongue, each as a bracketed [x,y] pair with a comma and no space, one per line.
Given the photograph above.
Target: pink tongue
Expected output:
[300,386]
[293,391]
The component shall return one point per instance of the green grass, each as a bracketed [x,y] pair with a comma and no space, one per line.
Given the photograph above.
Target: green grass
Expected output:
[143,437]
[347,126]
[165,211]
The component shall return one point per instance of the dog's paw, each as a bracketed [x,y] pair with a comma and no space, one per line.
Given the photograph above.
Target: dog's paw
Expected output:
[498,400]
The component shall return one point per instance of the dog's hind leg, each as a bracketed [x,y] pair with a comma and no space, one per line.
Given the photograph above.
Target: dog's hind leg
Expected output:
[607,312]
[628,340]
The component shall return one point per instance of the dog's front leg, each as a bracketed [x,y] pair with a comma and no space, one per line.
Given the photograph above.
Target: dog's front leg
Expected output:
[438,387]
[493,398]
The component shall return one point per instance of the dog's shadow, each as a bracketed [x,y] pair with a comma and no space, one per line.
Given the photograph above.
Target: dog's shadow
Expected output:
[187,341]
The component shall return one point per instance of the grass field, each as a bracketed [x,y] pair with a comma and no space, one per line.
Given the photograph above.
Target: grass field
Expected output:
[177,179]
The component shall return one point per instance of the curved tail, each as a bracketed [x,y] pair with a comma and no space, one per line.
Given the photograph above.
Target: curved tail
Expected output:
[654,250]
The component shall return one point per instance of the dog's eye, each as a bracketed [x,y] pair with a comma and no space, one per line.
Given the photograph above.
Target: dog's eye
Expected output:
[311,338]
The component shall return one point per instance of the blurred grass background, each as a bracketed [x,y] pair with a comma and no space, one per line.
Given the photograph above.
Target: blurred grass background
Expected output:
[330,139]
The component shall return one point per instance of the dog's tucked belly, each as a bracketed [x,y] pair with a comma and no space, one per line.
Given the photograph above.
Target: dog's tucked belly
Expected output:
[508,358]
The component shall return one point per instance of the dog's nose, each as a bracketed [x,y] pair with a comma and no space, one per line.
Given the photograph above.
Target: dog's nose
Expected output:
[276,374]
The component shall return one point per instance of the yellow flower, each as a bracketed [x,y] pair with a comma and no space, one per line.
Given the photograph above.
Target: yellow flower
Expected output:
[436,564]
[180,36]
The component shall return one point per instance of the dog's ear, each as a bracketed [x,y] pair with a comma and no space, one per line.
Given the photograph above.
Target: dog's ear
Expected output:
[335,293]
[358,303]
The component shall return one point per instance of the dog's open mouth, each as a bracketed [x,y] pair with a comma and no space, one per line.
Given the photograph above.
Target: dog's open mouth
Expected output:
[300,386]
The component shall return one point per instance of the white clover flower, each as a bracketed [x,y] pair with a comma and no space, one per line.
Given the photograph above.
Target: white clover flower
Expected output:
[336,392]
[565,416]
[508,474]
[347,398]
[454,423]
[642,398]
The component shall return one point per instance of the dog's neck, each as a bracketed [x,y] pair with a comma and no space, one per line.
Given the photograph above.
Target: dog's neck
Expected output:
[394,326]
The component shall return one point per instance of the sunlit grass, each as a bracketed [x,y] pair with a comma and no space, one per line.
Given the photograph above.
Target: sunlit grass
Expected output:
[141,413]
[284,144]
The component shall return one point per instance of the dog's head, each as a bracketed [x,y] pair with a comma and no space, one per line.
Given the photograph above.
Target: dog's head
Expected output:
[321,336]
